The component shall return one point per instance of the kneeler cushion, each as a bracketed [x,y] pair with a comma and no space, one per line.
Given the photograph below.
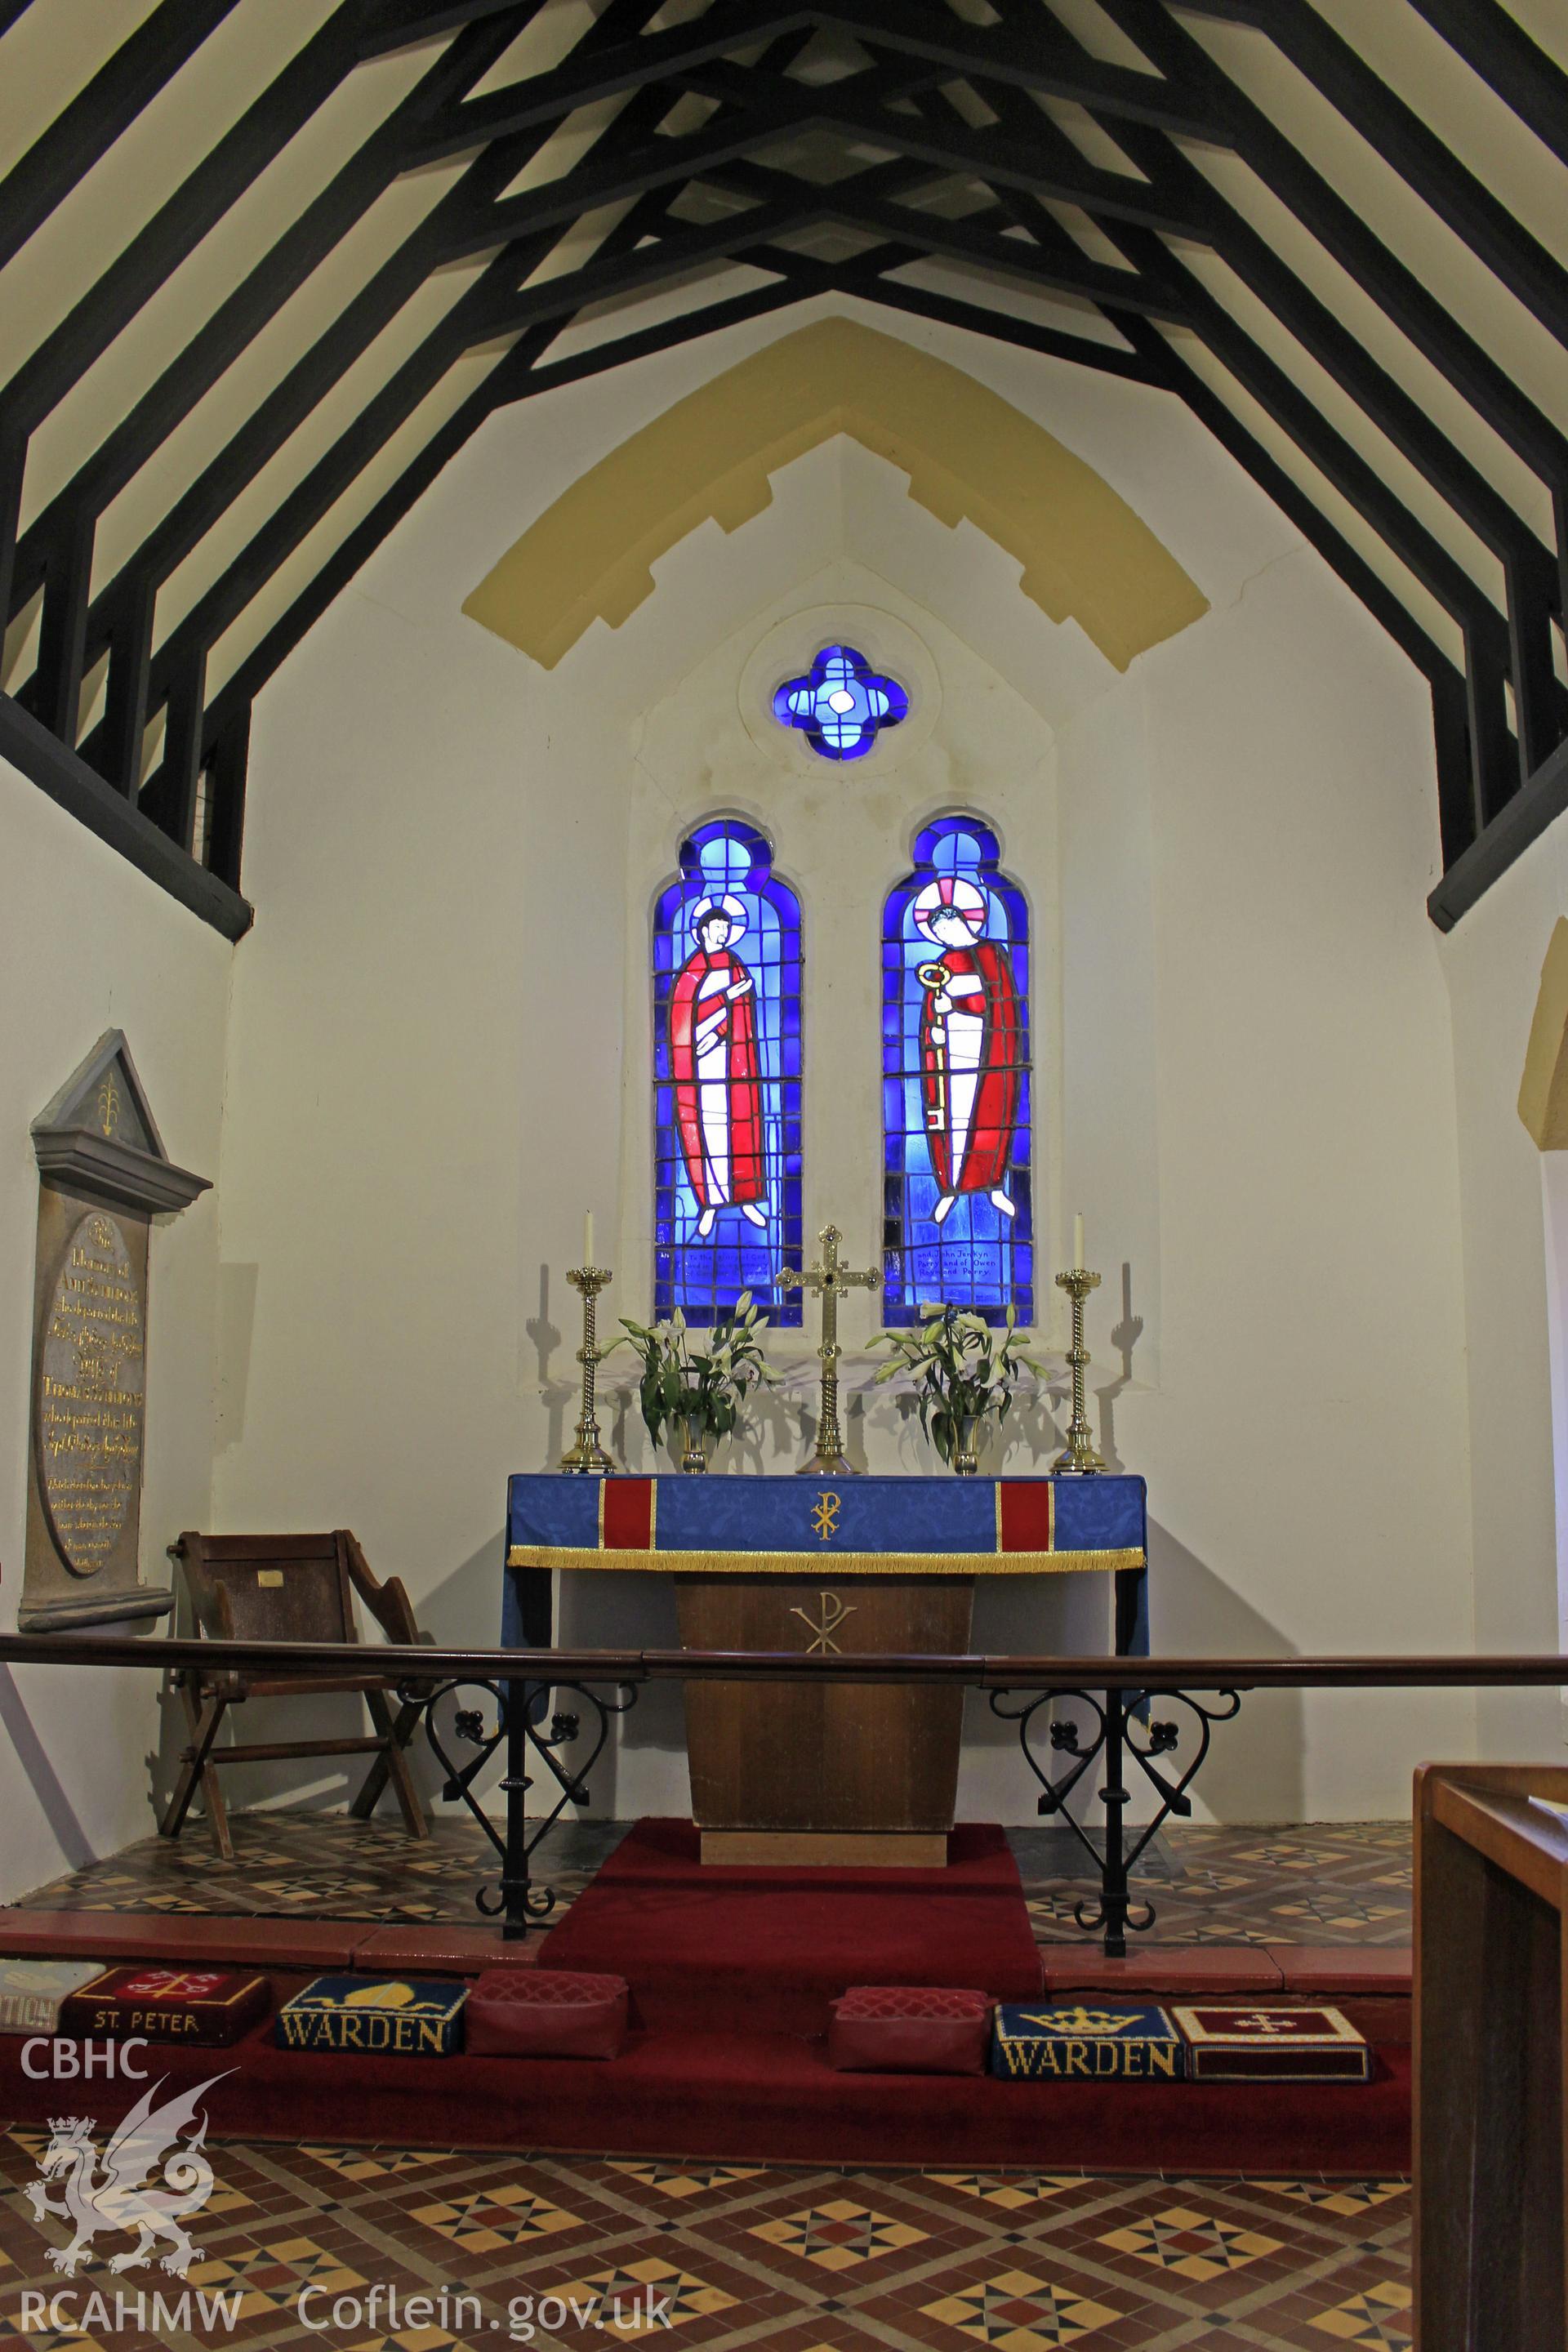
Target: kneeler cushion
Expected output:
[546,2013]
[909,2030]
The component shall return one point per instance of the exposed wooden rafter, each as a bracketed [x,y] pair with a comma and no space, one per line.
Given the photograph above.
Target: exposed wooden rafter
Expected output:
[704,155]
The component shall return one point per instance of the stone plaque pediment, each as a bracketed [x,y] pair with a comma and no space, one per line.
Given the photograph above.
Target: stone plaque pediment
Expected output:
[99,1136]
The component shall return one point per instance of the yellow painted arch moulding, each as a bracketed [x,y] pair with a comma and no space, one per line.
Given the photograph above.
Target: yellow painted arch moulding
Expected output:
[1543,1088]
[968,453]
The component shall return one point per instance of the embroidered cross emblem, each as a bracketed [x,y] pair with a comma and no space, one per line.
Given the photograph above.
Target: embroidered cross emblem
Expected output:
[825,1518]
[822,1628]
[1266,2022]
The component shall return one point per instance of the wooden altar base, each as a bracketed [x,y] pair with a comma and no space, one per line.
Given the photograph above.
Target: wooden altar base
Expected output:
[825,1848]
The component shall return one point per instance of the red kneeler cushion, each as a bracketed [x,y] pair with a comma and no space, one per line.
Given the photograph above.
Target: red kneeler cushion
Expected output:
[909,2030]
[546,2013]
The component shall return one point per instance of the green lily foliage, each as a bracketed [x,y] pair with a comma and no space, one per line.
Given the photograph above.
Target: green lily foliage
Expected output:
[961,1369]
[682,1382]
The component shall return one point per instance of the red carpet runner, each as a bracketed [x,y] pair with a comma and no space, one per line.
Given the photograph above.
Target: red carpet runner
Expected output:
[731,1971]
[744,1949]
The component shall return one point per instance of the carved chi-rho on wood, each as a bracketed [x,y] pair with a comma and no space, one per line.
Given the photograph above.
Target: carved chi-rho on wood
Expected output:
[104,1174]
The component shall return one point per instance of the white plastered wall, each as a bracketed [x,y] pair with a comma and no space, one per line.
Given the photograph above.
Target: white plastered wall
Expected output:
[86,944]
[439,1037]
[1493,961]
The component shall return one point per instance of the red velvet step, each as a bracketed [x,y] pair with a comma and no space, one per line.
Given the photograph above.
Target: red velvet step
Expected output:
[1205,1971]
[190,1940]
[769,2097]
[727,1948]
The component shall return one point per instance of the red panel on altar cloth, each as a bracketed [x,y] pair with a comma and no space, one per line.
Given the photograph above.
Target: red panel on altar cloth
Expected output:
[625,1514]
[1024,1515]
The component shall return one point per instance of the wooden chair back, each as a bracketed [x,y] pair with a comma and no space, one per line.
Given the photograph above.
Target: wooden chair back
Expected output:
[280,1588]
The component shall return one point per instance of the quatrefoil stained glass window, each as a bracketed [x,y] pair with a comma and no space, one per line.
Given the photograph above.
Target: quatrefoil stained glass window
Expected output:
[841,704]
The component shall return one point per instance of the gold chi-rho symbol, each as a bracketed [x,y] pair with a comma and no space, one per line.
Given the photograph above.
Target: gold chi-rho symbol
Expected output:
[822,1628]
[825,1518]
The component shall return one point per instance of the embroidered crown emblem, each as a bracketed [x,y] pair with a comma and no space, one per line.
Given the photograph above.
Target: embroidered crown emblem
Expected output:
[1080,2020]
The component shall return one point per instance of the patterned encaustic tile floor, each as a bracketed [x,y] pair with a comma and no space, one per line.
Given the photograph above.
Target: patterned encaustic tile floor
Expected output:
[540,2251]
[1315,1882]
[563,2254]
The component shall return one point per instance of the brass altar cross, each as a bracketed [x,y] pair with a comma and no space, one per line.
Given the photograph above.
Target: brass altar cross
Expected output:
[830,1280]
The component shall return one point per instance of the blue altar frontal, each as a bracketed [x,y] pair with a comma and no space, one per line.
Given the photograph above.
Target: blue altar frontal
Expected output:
[789,1525]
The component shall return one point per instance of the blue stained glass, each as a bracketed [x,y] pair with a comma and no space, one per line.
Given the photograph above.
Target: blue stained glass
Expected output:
[957,1204]
[841,704]
[727,1086]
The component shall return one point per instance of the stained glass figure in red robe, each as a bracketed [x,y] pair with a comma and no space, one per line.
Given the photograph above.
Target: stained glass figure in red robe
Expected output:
[970,1045]
[714,1062]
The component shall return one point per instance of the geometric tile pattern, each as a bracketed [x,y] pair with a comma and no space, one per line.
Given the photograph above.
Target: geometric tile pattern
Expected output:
[1316,1883]
[1312,1882]
[1018,2313]
[483,2219]
[1197,2245]
[1380,2317]
[1340,2196]
[746,2258]
[838,2235]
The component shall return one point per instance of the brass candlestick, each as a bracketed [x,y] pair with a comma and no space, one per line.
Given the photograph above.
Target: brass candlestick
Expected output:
[588,1457]
[1081,1455]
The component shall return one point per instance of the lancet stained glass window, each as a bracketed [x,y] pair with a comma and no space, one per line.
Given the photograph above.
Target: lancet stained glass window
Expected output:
[726,1078]
[957,1213]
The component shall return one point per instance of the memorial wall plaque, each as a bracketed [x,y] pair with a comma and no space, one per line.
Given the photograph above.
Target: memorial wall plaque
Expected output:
[87,1413]
[103,1173]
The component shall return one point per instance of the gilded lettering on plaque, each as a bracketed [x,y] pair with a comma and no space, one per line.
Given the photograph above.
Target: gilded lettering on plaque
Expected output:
[89,1410]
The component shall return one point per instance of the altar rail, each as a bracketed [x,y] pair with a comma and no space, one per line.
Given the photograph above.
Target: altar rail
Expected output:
[1118,1695]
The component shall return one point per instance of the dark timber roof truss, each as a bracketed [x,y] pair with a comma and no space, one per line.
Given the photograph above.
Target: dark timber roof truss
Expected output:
[741,157]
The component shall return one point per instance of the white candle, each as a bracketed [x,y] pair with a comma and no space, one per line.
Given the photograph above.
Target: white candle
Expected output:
[588,1237]
[1078,1244]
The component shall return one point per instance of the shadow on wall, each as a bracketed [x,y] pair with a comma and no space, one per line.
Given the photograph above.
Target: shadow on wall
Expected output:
[1255,1767]
[559,1390]
[57,1808]
[1125,1334]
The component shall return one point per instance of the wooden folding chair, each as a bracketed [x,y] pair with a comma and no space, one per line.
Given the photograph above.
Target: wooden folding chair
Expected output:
[288,1589]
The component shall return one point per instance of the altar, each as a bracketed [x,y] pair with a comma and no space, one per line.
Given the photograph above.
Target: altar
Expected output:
[822,1771]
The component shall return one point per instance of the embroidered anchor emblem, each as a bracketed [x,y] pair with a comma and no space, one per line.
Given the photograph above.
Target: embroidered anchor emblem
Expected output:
[822,1629]
[825,1518]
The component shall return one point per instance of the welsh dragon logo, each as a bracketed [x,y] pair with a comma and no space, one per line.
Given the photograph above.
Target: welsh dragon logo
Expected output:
[107,2191]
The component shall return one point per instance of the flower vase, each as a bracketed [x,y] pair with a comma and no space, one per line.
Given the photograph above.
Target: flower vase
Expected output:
[966,1450]
[687,1433]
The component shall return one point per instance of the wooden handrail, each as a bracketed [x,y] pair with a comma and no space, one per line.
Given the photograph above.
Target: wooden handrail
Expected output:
[397,1662]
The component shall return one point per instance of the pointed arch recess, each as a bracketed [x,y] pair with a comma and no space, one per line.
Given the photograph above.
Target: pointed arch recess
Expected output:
[969,455]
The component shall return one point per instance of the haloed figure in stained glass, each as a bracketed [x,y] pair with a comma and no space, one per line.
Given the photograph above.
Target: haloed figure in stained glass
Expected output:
[957,1202]
[715,1063]
[969,1045]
